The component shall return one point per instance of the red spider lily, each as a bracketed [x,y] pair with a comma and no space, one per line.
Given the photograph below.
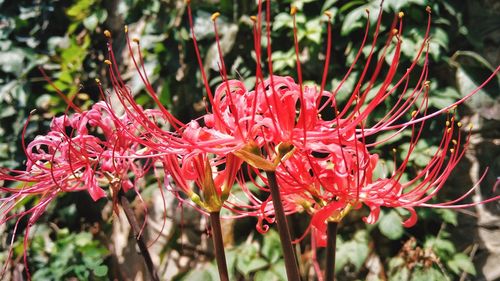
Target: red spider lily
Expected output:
[330,186]
[59,163]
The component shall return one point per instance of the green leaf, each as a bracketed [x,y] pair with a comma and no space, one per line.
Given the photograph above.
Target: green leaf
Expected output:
[352,252]
[352,20]
[12,61]
[100,271]
[266,276]
[271,248]
[448,216]
[443,247]
[390,225]
[427,274]
[461,262]
[91,22]
[472,71]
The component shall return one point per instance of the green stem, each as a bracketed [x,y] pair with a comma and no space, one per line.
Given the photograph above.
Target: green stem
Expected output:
[291,265]
[331,244]
[129,213]
[220,256]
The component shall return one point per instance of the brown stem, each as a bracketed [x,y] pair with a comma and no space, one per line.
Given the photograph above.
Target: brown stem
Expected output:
[291,265]
[129,213]
[331,244]
[220,256]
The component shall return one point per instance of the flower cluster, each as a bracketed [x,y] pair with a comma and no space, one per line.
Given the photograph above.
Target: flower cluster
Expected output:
[319,150]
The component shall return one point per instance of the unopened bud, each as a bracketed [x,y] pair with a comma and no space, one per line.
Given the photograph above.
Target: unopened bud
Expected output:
[215,16]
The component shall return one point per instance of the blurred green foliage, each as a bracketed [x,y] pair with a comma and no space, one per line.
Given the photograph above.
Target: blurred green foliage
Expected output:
[65,38]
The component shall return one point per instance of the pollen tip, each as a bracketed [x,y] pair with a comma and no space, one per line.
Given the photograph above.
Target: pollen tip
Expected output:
[107,33]
[459,124]
[395,31]
[394,150]
[215,16]
[253,18]
[187,1]
[452,150]
[454,142]
[136,40]
[367,11]
[471,126]
[108,62]
[328,14]
[448,130]
[126,28]
[414,113]
[401,14]
[447,123]
[98,81]
[428,9]
[293,10]
[33,111]
[427,83]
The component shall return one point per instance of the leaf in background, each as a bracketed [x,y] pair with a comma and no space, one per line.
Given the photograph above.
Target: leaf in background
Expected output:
[391,225]
[461,262]
[472,70]
[271,248]
[353,252]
